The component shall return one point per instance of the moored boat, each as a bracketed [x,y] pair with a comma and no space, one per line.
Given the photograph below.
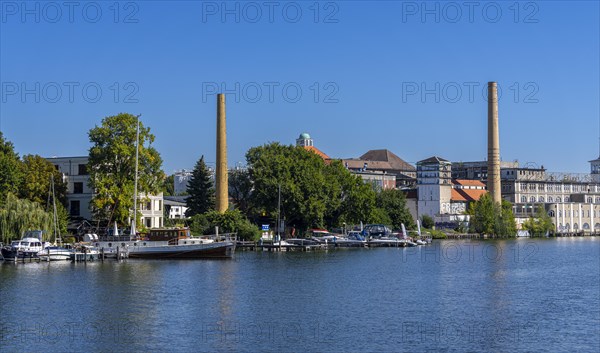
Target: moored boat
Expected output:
[55,253]
[166,243]
[26,248]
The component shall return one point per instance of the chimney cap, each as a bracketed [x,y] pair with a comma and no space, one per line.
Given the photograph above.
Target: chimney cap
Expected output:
[492,83]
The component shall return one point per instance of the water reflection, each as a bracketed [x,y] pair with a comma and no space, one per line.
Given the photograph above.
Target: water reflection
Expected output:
[510,295]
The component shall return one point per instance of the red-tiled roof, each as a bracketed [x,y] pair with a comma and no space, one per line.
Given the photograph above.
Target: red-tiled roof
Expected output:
[467,194]
[465,182]
[317,151]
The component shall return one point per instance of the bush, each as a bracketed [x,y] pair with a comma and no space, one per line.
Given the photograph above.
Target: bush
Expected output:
[427,221]
[437,234]
[232,221]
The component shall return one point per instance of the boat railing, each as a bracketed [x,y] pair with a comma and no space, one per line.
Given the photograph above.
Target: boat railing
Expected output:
[219,237]
[119,238]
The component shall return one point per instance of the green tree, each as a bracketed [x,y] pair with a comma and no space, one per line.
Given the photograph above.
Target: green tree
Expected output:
[11,174]
[491,218]
[313,193]
[240,189]
[232,221]
[201,193]
[427,221]
[350,199]
[17,216]
[112,167]
[539,224]
[300,173]
[380,216]
[168,187]
[36,186]
[393,202]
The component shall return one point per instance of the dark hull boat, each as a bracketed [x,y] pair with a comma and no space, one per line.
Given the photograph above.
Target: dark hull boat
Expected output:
[195,251]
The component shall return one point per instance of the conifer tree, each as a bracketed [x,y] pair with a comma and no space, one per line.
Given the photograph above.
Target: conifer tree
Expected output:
[200,189]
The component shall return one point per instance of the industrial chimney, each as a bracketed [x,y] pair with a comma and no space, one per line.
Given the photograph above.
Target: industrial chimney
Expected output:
[493,177]
[221,184]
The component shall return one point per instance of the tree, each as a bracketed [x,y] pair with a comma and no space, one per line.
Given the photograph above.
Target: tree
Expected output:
[168,187]
[112,166]
[351,199]
[36,186]
[201,193]
[491,218]
[232,221]
[11,174]
[300,173]
[427,221]
[313,193]
[539,224]
[240,189]
[393,202]
[17,216]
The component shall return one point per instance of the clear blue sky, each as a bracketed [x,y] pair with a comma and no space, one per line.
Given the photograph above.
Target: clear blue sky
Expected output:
[370,60]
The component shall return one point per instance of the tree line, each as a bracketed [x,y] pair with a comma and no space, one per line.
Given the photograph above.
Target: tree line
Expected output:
[25,198]
[315,193]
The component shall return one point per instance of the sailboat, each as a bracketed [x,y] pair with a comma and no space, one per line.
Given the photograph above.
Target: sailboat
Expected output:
[164,243]
[55,252]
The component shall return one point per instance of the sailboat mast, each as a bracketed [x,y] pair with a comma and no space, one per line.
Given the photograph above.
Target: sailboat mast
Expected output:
[55,216]
[137,155]
[279,213]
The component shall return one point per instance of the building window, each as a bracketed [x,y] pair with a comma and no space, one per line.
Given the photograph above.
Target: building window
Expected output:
[78,188]
[558,199]
[550,199]
[551,213]
[541,198]
[82,169]
[75,208]
[566,198]
[148,222]
[532,199]
[524,199]
[148,205]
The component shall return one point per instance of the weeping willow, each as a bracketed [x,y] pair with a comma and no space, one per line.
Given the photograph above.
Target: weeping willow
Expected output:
[18,215]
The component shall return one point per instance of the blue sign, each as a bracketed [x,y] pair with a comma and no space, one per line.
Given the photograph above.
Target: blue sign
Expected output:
[265,227]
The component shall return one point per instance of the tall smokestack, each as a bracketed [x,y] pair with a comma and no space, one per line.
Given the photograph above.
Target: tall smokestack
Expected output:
[222,189]
[493,178]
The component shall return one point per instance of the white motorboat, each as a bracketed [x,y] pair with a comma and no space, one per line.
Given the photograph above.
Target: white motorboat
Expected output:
[55,253]
[26,248]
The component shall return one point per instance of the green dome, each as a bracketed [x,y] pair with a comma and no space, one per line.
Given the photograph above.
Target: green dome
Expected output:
[304,135]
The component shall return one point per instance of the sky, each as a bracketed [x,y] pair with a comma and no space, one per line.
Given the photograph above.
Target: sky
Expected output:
[403,75]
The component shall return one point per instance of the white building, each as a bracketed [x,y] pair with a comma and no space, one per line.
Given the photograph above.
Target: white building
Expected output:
[79,194]
[434,185]
[175,206]
[180,180]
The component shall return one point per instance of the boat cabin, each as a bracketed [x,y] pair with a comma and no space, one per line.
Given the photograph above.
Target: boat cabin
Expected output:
[167,234]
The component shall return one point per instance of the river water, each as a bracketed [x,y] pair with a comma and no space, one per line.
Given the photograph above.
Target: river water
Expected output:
[525,295]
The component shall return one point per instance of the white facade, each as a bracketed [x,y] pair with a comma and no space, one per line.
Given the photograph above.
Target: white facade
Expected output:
[79,194]
[151,208]
[575,217]
[180,181]
[434,186]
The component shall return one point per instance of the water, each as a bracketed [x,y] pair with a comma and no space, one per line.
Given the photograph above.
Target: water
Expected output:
[453,296]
